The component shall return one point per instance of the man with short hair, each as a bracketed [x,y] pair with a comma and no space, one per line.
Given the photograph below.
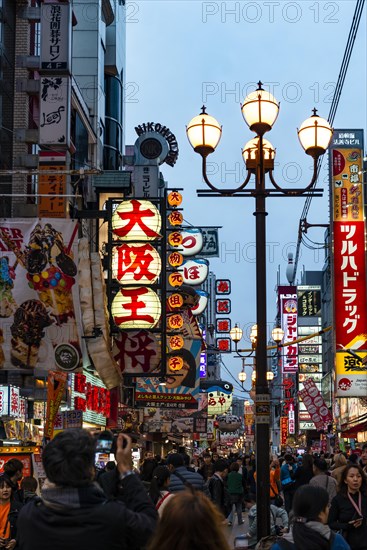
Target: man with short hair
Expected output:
[206,467]
[217,488]
[181,477]
[74,512]
[322,479]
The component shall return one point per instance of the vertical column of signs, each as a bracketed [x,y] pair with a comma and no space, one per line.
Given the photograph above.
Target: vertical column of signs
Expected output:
[135,230]
[223,307]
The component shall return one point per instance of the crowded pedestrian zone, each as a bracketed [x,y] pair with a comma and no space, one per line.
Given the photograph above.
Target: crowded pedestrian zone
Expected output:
[318,501]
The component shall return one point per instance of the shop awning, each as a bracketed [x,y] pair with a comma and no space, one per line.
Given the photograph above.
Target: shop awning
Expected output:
[352,431]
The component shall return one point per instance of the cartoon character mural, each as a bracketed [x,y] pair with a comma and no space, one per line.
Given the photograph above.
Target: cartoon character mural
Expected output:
[219,394]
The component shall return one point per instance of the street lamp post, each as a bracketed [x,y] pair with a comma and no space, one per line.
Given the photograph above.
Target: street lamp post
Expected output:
[260,110]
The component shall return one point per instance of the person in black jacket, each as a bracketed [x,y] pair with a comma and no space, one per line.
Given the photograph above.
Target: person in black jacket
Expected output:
[74,512]
[348,512]
[8,515]
[217,487]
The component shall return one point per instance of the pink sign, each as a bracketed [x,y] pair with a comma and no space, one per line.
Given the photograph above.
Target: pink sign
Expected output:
[315,405]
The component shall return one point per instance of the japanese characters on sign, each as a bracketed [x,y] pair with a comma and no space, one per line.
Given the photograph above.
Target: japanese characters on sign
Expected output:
[56,37]
[223,305]
[136,222]
[309,300]
[192,241]
[136,352]
[223,286]
[288,311]
[88,394]
[52,185]
[283,430]
[211,242]
[224,345]
[315,404]
[195,271]
[223,325]
[349,266]
[10,404]
[219,396]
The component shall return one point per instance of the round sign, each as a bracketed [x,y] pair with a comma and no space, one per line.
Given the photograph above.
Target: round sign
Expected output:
[136,307]
[151,148]
[175,238]
[175,218]
[175,301]
[175,322]
[176,342]
[175,259]
[192,241]
[136,220]
[67,357]
[175,363]
[136,263]
[175,279]
[174,198]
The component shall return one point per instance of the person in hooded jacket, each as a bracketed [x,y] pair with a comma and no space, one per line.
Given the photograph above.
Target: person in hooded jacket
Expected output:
[73,511]
[309,529]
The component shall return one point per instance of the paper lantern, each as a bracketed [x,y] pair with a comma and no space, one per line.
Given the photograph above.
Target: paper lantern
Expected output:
[175,259]
[175,239]
[136,263]
[175,279]
[175,301]
[176,342]
[136,307]
[136,220]
[175,363]
[192,241]
[174,198]
[175,218]
[175,322]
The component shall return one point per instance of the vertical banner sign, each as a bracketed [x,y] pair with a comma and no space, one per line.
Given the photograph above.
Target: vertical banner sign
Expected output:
[56,37]
[56,383]
[349,262]
[288,312]
[55,101]
[315,405]
[53,184]
[283,430]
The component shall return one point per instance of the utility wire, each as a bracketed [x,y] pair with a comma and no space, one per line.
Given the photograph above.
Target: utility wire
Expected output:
[333,109]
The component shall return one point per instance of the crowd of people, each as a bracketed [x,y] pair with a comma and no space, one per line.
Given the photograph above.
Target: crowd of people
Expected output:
[317,502]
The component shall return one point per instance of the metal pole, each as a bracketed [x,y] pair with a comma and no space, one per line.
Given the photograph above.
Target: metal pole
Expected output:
[262,414]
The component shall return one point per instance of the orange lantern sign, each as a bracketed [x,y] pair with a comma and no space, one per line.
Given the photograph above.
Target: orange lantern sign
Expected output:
[136,307]
[175,279]
[175,259]
[176,218]
[175,238]
[175,322]
[175,363]
[176,342]
[136,220]
[174,198]
[175,301]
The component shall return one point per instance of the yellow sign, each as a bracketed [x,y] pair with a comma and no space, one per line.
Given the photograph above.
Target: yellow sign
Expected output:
[176,342]
[175,279]
[175,259]
[175,322]
[174,198]
[348,364]
[347,184]
[175,363]
[175,238]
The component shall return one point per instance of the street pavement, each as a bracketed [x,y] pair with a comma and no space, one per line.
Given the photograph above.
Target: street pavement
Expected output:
[235,531]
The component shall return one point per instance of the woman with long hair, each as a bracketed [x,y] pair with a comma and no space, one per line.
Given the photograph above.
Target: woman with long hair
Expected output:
[190,521]
[340,463]
[158,490]
[309,530]
[348,512]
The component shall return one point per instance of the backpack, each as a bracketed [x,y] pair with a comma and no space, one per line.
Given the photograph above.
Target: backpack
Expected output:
[266,543]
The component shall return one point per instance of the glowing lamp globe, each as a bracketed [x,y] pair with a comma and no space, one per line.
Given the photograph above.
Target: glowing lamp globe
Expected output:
[136,220]
[260,110]
[242,376]
[315,135]
[136,307]
[250,150]
[236,333]
[204,133]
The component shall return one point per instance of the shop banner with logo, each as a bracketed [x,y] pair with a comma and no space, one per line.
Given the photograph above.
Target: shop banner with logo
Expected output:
[349,262]
[315,405]
[180,391]
[288,306]
[283,430]
[39,298]
[56,383]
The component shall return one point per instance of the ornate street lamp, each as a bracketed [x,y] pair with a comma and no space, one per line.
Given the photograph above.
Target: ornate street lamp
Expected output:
[260,110]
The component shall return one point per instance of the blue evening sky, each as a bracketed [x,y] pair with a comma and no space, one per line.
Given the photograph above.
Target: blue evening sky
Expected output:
[181,54]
